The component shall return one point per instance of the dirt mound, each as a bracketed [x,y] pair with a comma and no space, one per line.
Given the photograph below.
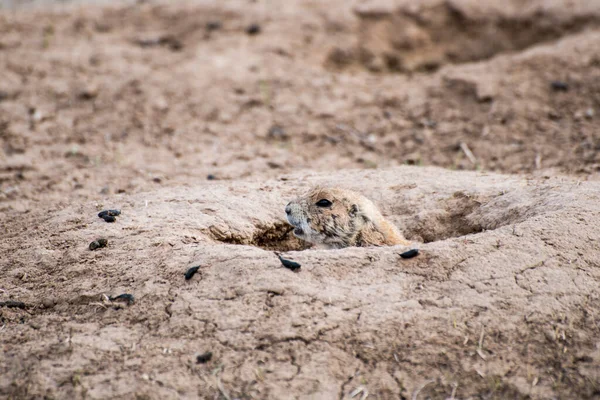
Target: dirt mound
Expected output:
[506,312]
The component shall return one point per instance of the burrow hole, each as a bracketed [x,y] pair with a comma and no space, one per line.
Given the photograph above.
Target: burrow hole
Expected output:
[457,216]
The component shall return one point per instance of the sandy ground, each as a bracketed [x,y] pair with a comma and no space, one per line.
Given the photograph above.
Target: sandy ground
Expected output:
[474,127]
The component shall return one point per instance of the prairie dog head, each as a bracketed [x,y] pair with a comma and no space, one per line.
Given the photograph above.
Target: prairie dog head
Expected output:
[332,217]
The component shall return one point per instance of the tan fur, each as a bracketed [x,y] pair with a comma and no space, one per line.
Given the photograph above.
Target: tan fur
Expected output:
[350,220]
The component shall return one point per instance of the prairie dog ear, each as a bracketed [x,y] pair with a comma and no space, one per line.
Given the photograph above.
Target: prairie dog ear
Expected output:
[353,210]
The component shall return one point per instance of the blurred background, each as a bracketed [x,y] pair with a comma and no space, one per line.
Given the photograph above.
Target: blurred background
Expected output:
[103,97]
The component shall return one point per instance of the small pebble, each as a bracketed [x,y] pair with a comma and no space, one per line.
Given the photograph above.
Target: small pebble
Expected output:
[35,325]
[253,29]
[108,218]
[204,358]
[277,132]
[559,86]
[123,297]
[48,303]
[211,177]
[289,264]
[410,254]
[191,272]
[589,113]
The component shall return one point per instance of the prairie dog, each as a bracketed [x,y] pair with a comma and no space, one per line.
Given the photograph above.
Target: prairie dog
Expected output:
[335,218]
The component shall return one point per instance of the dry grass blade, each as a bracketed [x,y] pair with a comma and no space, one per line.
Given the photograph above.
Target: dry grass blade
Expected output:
[222,389]
[480,344]
[454,387]
[415,395]
[468,153]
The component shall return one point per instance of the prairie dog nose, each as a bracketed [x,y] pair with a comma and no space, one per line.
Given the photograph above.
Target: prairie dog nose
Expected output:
[288,209]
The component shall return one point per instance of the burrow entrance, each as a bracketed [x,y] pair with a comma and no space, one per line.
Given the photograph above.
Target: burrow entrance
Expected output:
[442,33]
[459,215]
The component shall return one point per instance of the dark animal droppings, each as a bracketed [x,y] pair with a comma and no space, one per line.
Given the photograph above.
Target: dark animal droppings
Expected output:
[203,358]
[110,213]
[12,304]
[97,244]
[211,177]
[559,86]
[410,254]
[253,29]
[123,297]
[191,272]
[213,25]
[289,264]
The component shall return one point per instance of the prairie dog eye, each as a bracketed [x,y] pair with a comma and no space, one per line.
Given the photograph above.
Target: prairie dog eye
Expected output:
[323,203]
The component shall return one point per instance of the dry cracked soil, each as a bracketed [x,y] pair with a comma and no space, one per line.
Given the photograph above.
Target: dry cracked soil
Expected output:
[473,125]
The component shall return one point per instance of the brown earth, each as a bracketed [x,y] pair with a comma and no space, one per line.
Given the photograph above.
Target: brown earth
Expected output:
[134,106]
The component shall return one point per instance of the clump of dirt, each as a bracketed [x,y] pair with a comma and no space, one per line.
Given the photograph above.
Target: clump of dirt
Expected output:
[278,237]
